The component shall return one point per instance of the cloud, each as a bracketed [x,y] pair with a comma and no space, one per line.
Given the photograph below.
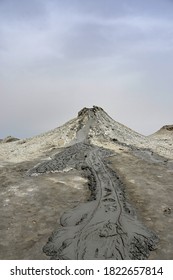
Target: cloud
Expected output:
[57,57]
[19,10]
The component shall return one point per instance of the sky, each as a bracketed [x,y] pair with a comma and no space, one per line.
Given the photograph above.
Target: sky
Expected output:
[58,56]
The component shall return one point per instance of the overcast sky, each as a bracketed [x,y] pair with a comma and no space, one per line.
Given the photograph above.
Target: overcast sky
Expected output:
[58,56]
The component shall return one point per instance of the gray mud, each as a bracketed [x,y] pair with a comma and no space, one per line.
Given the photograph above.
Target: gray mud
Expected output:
[104,227]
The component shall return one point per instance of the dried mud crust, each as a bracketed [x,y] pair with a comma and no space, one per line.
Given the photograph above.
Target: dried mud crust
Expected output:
[106,226]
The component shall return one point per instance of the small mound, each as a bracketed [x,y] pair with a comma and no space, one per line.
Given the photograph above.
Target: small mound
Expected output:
[166,132]
[167,127]
[9,139]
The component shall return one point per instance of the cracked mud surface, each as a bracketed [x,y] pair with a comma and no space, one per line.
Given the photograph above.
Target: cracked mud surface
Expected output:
[104,227]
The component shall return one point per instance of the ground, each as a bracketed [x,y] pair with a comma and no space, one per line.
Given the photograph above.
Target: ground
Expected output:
[31,207]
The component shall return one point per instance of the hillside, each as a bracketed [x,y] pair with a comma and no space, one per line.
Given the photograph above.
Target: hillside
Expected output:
[114,185]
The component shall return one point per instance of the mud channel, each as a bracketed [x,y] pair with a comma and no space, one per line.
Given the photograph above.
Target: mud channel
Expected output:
[104,227]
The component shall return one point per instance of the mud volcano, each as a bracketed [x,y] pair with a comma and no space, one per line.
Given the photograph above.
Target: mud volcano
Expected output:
[106,226]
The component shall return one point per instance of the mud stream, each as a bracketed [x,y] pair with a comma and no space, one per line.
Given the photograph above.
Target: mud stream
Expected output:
[106,226]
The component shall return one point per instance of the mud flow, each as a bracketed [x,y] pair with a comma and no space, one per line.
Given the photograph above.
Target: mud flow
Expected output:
[104,227]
